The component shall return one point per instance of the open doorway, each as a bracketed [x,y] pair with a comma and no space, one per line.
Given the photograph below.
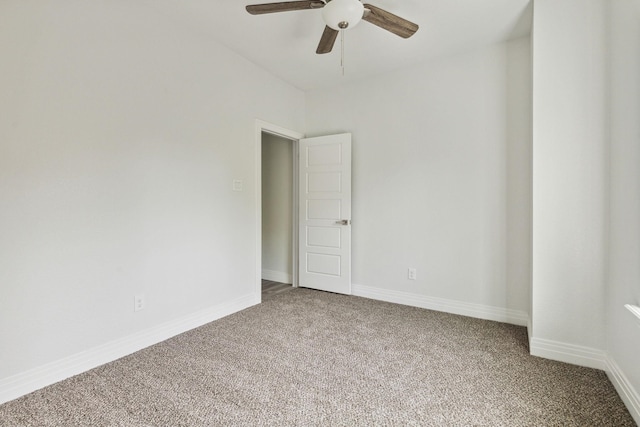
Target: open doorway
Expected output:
[277,213]
[277,202]
[320,250]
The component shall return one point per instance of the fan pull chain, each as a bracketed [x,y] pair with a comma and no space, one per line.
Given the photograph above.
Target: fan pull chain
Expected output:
[342,51]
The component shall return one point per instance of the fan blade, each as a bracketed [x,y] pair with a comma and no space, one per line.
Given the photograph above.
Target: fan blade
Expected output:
[389,21]
[259,9]
[327,40]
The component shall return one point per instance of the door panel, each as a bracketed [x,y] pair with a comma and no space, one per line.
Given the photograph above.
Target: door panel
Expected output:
[325,213]
[324,209]
[323,264]
[324,181]
[328,237]
[320,155]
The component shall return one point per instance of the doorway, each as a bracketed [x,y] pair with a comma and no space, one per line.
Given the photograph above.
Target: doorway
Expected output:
[319,210]
[277,209]
[276,204]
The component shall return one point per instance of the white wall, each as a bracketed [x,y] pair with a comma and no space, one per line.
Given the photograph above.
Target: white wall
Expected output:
[120,136]
[623,332]
[121,133]
[569,180]
[441,180]
[277,208]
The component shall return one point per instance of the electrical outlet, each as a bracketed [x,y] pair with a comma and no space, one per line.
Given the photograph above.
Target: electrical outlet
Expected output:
[138,303]
[411,275]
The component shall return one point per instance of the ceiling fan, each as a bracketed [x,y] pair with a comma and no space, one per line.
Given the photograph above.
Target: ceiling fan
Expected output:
[340,15]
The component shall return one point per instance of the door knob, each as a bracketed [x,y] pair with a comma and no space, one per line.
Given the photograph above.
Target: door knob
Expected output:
[344,222]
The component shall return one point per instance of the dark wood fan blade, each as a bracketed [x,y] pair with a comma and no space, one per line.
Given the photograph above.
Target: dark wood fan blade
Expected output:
[259,9]
[327,40]
[389,21]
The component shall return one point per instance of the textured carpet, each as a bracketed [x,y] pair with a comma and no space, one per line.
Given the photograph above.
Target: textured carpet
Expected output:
[309,358]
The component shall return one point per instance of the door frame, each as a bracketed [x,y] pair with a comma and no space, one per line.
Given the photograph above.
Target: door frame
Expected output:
[293,136]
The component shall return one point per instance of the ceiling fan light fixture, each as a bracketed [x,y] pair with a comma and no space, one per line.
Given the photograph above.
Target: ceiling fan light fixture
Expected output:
[342,14]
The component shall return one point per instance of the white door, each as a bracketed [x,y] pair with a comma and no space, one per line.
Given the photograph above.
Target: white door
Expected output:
[325,213]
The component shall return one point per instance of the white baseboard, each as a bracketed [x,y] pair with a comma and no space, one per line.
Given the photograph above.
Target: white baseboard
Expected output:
[277,276]
[627,393]
[568,353]
[479,311]
[42,376]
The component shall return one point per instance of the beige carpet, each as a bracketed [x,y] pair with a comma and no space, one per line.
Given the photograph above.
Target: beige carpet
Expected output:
[306,358]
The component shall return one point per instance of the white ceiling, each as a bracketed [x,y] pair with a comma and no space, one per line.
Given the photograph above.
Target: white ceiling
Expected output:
[285,43]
